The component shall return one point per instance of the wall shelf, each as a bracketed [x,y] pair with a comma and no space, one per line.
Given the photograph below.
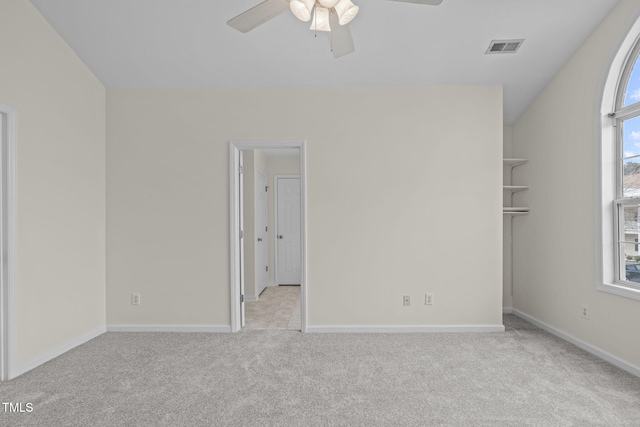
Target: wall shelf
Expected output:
[514,162]
[515,210]
[512,210]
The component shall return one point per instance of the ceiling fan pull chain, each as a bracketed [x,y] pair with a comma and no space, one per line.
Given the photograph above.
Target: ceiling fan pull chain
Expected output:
[331,40]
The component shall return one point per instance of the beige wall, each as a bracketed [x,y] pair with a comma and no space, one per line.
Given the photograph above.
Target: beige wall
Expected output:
[391,172]
[59,294]
[554,248]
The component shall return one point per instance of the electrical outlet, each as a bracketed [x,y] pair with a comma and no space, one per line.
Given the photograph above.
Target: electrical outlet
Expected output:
[135,299]
[585,311]
[428,299]
[406,300]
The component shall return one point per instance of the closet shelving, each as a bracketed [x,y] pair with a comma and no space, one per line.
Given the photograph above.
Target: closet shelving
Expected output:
[511,189]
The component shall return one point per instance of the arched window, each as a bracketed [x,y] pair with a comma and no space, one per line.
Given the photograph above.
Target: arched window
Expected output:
[627,203]
[620,172]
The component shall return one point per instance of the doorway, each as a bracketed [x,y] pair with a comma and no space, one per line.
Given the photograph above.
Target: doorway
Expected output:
[239,236]
[7,234]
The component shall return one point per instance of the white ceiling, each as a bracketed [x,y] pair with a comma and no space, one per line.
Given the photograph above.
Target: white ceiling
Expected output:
[187,43]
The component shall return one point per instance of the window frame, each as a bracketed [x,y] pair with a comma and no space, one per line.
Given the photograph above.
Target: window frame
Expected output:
[620,115]
[610,165]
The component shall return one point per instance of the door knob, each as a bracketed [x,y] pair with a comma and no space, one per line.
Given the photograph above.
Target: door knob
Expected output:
[280,236]
[259,239]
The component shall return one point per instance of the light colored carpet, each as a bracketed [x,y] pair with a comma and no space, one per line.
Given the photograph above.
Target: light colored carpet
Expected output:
[277,308]
[524,376]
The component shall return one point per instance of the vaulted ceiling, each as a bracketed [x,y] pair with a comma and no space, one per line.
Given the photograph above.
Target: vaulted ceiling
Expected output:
[129,43]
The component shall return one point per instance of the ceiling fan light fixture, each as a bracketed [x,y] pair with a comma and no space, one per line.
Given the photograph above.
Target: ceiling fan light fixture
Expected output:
[320,19]
[302,9]
[346,11]
[328,3]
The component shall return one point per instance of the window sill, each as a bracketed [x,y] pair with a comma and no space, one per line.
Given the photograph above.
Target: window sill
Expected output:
[620,290]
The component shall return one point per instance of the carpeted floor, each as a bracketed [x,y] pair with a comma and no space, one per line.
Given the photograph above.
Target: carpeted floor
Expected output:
[277,308]
[524,376]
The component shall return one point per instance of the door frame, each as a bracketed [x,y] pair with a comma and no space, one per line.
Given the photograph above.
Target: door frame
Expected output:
[8,234]
[240,216]
[258,268]
[234,224]
[275,223]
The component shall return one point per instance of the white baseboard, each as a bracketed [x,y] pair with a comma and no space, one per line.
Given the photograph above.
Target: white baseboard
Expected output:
[271,284]
[406,329]
[614,360]
[507,310]
[250,299]
[52,354]
[169,328]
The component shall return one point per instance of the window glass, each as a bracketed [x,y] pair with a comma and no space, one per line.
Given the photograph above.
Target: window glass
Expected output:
[631,157]
[631,135]
[632,272]
[631,178]
[629,238]
[632,94]
[631,225]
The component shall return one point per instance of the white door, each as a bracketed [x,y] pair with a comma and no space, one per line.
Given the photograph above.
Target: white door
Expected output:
[241,213]
[262,247]
[288,231]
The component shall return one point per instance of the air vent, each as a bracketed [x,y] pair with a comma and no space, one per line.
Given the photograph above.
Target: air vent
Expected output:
[504,46]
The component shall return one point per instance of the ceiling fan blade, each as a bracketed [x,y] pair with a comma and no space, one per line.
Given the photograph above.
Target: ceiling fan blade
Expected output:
[258,15]
[427,2]
[339,37]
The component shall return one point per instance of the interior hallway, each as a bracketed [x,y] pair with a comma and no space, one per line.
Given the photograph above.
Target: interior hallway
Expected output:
[277,308]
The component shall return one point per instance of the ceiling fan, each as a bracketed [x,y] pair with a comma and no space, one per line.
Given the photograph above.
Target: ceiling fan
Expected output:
[331,16]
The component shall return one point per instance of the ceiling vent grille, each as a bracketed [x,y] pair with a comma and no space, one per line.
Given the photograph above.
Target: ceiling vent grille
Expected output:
[504,46]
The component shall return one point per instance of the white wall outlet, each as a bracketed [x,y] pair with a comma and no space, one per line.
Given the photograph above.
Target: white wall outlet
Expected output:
[428,299]
[585,311]
[135,299]
[406,300]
